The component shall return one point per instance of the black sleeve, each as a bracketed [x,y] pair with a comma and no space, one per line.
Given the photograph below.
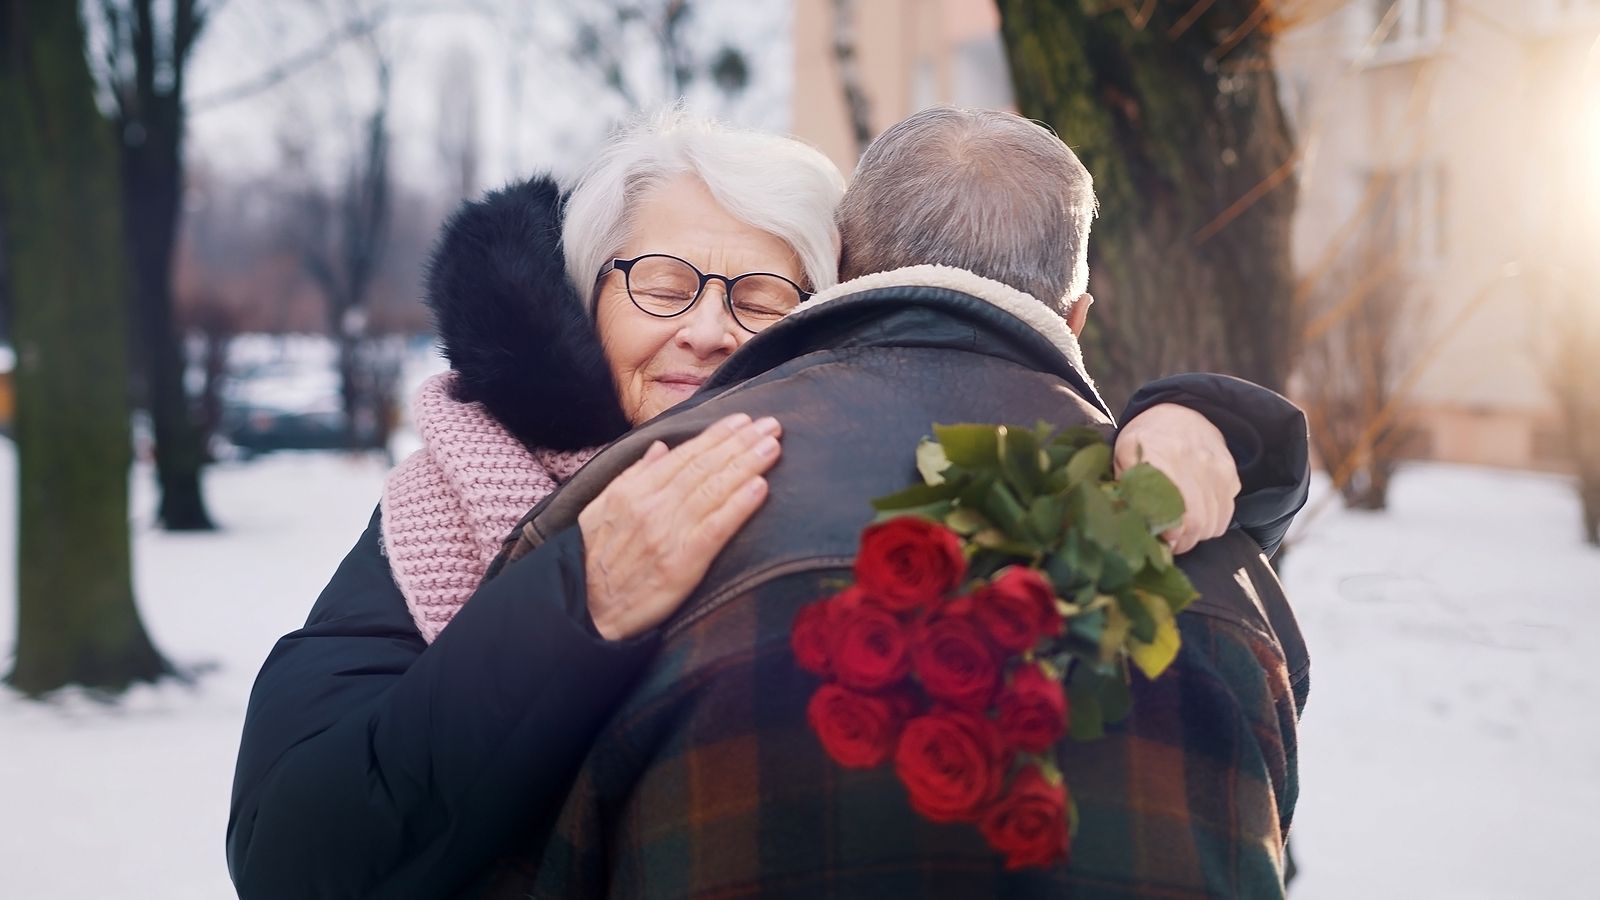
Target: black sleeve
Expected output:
[1266,435]
[375,765]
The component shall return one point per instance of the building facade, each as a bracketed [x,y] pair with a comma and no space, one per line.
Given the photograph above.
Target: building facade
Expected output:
[1461,135]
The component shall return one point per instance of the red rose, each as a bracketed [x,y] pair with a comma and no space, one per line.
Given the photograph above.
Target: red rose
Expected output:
[858,730]
[955,661]
[950,763]
[868,648]
[1018,608]
[1032,710]
[811,636]
[1030,825]
[907,563]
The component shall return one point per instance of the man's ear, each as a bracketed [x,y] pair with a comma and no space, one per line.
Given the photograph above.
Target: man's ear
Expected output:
[1078,314]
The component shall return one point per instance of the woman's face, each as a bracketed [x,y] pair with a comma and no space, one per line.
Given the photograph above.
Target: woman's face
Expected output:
[658,362]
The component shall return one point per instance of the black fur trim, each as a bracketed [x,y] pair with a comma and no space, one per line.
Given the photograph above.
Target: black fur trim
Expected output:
[513,326]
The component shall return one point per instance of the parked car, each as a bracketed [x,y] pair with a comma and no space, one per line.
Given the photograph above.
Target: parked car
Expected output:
[287,407]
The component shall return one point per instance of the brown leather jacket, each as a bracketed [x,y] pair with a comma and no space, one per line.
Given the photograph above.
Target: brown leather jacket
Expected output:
[857,381]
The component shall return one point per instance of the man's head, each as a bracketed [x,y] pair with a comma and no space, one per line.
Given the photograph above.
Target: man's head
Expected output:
[985,191]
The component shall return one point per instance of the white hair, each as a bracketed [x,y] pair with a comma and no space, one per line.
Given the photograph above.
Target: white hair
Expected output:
[981,190]
[773,183]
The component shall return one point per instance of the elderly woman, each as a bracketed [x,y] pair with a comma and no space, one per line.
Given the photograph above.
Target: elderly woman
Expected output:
[387,755]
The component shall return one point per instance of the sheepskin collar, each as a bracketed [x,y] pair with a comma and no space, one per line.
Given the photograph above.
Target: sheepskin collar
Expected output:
[1033,312]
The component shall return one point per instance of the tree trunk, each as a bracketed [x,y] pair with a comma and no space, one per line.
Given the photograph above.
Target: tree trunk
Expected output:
[76,618]
[150,128]
[151,187]
[1590,496]
[1174,109]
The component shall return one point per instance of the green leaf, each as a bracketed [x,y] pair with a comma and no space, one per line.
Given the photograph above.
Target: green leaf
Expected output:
[1115,633]
[1093,515]
[1079,436]
[1153,496]
[966,521]
[1019,460]
[1154,656]
[1169,583]
[915,496]
[1144,624]
[972,446]
[1056,457]
[998,541]
[1091,464]
[1134,541]
[931,462]
[1000,504]
[1115,573]
[1090,625]
[1047,516]
[933,512]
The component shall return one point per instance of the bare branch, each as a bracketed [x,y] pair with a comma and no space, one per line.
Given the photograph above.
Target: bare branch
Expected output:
[357,27]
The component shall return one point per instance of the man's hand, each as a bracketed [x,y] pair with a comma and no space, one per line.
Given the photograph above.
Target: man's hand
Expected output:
[1190,450]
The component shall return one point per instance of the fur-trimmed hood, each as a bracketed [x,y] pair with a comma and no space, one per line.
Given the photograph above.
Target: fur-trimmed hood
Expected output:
[514,328]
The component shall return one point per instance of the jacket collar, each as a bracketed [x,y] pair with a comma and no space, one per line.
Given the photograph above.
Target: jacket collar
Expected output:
[926,305]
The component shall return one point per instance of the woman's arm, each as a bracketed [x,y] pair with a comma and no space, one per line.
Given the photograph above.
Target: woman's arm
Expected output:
[1266,436]
[375,765]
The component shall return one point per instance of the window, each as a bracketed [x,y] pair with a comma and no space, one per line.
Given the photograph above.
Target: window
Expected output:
[1395,30]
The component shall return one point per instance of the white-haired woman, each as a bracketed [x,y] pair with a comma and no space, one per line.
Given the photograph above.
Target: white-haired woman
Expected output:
[385,755]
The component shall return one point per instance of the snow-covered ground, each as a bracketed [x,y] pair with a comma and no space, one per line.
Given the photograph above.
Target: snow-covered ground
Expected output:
[1451,747]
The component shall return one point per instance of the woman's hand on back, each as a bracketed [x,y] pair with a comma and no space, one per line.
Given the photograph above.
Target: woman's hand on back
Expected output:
[652,533]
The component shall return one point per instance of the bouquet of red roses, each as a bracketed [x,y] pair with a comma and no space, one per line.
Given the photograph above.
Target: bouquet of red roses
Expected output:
[996,608]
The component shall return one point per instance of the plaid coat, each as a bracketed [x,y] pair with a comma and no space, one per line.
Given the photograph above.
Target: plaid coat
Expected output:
[708,783]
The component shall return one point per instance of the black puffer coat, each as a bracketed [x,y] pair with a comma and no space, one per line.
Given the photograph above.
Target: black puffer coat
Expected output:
[373,764]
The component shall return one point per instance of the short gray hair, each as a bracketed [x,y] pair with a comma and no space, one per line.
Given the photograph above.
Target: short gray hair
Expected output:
[983,190]
[776,184]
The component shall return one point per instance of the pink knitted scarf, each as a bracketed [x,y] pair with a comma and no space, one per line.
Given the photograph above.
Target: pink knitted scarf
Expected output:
[448,507]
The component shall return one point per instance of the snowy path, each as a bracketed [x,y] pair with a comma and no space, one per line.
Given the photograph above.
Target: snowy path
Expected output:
[1451,747]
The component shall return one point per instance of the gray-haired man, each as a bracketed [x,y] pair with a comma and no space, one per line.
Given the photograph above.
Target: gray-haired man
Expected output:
[965,248]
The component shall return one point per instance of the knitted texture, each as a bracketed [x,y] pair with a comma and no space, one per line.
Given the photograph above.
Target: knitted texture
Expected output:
[447,508]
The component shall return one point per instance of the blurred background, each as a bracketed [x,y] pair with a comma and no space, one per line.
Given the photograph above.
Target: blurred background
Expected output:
[1388,209]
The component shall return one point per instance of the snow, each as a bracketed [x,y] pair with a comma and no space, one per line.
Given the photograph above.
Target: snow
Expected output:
[1451,745]
[1450,748]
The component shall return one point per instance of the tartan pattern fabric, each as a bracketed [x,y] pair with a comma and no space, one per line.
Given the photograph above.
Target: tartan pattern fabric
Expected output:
[709,784]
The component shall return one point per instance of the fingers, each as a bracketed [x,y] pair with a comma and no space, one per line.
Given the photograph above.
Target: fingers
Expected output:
[719,442]
[720,524]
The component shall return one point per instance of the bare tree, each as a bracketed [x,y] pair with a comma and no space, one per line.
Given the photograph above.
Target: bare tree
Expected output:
[458,140]
[343,236]
[146,56]
[1572,346]
[644,52]
[1354,353]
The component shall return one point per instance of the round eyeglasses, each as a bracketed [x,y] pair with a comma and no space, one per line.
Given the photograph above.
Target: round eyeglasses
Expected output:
[665,286]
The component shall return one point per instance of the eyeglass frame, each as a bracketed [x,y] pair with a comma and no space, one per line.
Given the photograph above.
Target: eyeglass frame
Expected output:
[625,266]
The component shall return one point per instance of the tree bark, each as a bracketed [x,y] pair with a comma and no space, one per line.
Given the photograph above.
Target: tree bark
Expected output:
[150,125]
[76,618]
[1174,109]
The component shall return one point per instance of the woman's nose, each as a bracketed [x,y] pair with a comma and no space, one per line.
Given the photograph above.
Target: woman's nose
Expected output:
[709,328]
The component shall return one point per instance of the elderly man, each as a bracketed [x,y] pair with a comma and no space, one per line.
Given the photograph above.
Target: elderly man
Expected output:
[965,248]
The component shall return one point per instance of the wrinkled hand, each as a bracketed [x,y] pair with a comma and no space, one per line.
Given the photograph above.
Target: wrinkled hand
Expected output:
[652,533]
[1190,450]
